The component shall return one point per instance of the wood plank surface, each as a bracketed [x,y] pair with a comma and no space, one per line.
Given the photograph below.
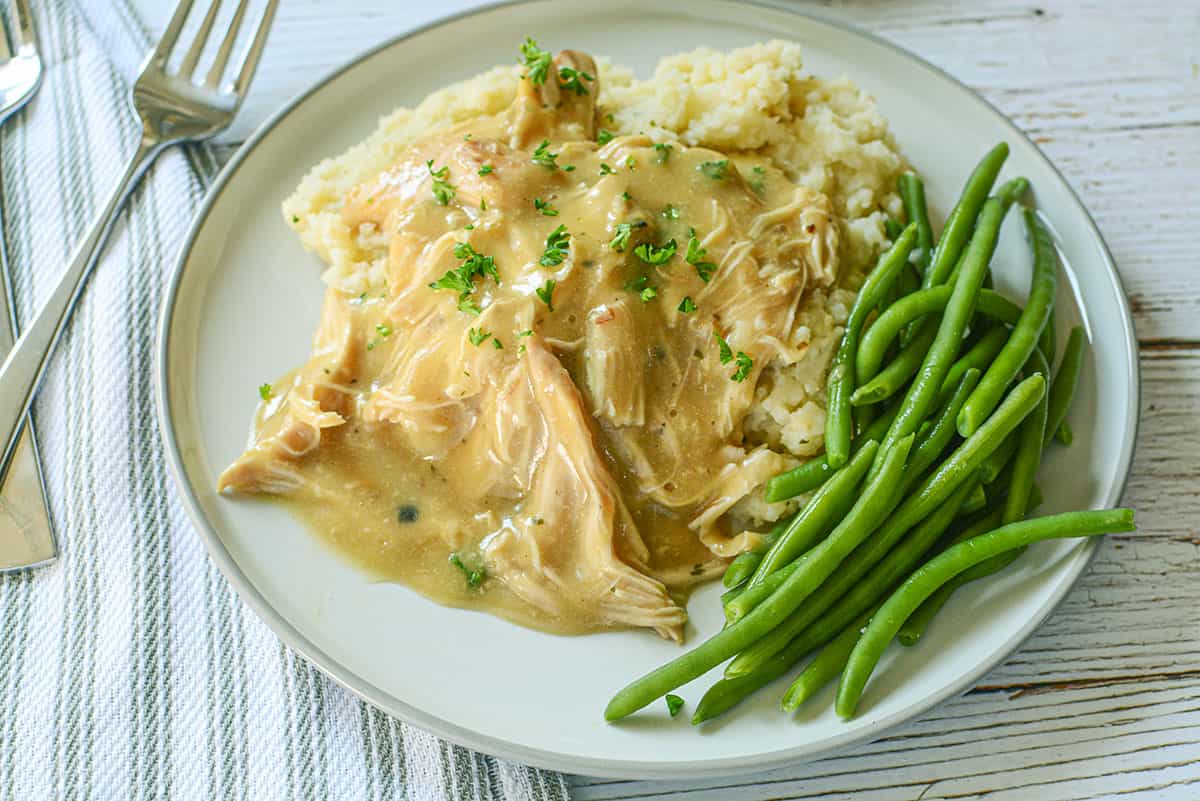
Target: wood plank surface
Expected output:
[1104,700]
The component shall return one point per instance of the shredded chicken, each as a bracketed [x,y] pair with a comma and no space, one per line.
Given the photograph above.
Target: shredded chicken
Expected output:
[570,400]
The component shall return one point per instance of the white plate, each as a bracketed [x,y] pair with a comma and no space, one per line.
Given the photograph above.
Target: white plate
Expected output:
[244,302]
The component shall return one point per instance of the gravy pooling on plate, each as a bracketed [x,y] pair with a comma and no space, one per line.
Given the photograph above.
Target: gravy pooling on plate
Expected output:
[542,413]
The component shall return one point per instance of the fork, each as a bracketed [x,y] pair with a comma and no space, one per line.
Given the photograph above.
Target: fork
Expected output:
[173,109]
[26,533]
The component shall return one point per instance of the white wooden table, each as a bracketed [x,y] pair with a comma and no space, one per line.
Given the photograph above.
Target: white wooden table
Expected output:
[1104,701]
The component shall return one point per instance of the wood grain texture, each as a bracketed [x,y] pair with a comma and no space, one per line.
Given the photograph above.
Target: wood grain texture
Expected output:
[1104,700]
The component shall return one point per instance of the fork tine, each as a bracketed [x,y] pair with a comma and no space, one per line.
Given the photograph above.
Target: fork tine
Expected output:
[5,50]
[218,66]
[25,36]
[254,52]
[163,51]
[188,65]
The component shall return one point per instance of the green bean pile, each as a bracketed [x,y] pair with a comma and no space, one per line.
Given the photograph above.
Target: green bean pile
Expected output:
[940,403]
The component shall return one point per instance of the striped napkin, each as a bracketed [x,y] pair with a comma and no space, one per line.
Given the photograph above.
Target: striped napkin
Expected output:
[130,669]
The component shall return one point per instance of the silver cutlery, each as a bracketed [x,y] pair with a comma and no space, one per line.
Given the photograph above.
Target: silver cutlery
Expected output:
[173,107]
[26,534]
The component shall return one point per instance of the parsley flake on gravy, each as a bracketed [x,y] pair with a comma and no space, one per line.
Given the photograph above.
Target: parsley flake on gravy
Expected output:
[536,61]
[655,255]
[546,293]
[443,192]
[556,247]
[543,156]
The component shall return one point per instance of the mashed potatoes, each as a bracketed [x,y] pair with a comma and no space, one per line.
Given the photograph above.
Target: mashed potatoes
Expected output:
[757,101]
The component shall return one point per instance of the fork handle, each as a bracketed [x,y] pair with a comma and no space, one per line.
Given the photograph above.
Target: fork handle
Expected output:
[22,371]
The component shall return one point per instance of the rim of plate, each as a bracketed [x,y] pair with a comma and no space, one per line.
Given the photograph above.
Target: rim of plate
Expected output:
[551,760]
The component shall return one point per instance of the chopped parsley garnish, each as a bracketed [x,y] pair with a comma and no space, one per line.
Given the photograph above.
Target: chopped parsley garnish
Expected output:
[475,577]
[295,219]
[605,169]
[569,168]
[687,305]
[544,207]
[544,157]
[623,232]
[443,192]
[726,351]
[497,344]
[486,169]
[757,183]
[383,330]
[670,212]
[462,278]
[545,293]
[663,154]
[655,255]
[483,204]
[528,332]
[604,136]
[674,704]
[641,285]
[371,344]
[477,336]
[264,391]
[744,365]
[626,197]
[715,169]
[631,162]
[569,79]
[556,248]
[695,255]
[407,513]
[536,60]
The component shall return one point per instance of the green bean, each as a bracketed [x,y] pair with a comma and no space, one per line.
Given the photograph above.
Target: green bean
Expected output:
[871,507]
[962,218]
[823,615]
[975,501]
[887,326]
[948,564]
[1028,455]
[891,379]
[979,356]
[818,515]
[1062,388]
[1064,434]
[752,596]
[892,228]
[933,490]
[1011,191]
[994,465]
[732,593]
[912,194]
[827,664]
[816,471]
[914,628]
[839,386]
[959,309]
[1049,338]
[932,444]
[726,693]
[741,568]
[1024,337]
